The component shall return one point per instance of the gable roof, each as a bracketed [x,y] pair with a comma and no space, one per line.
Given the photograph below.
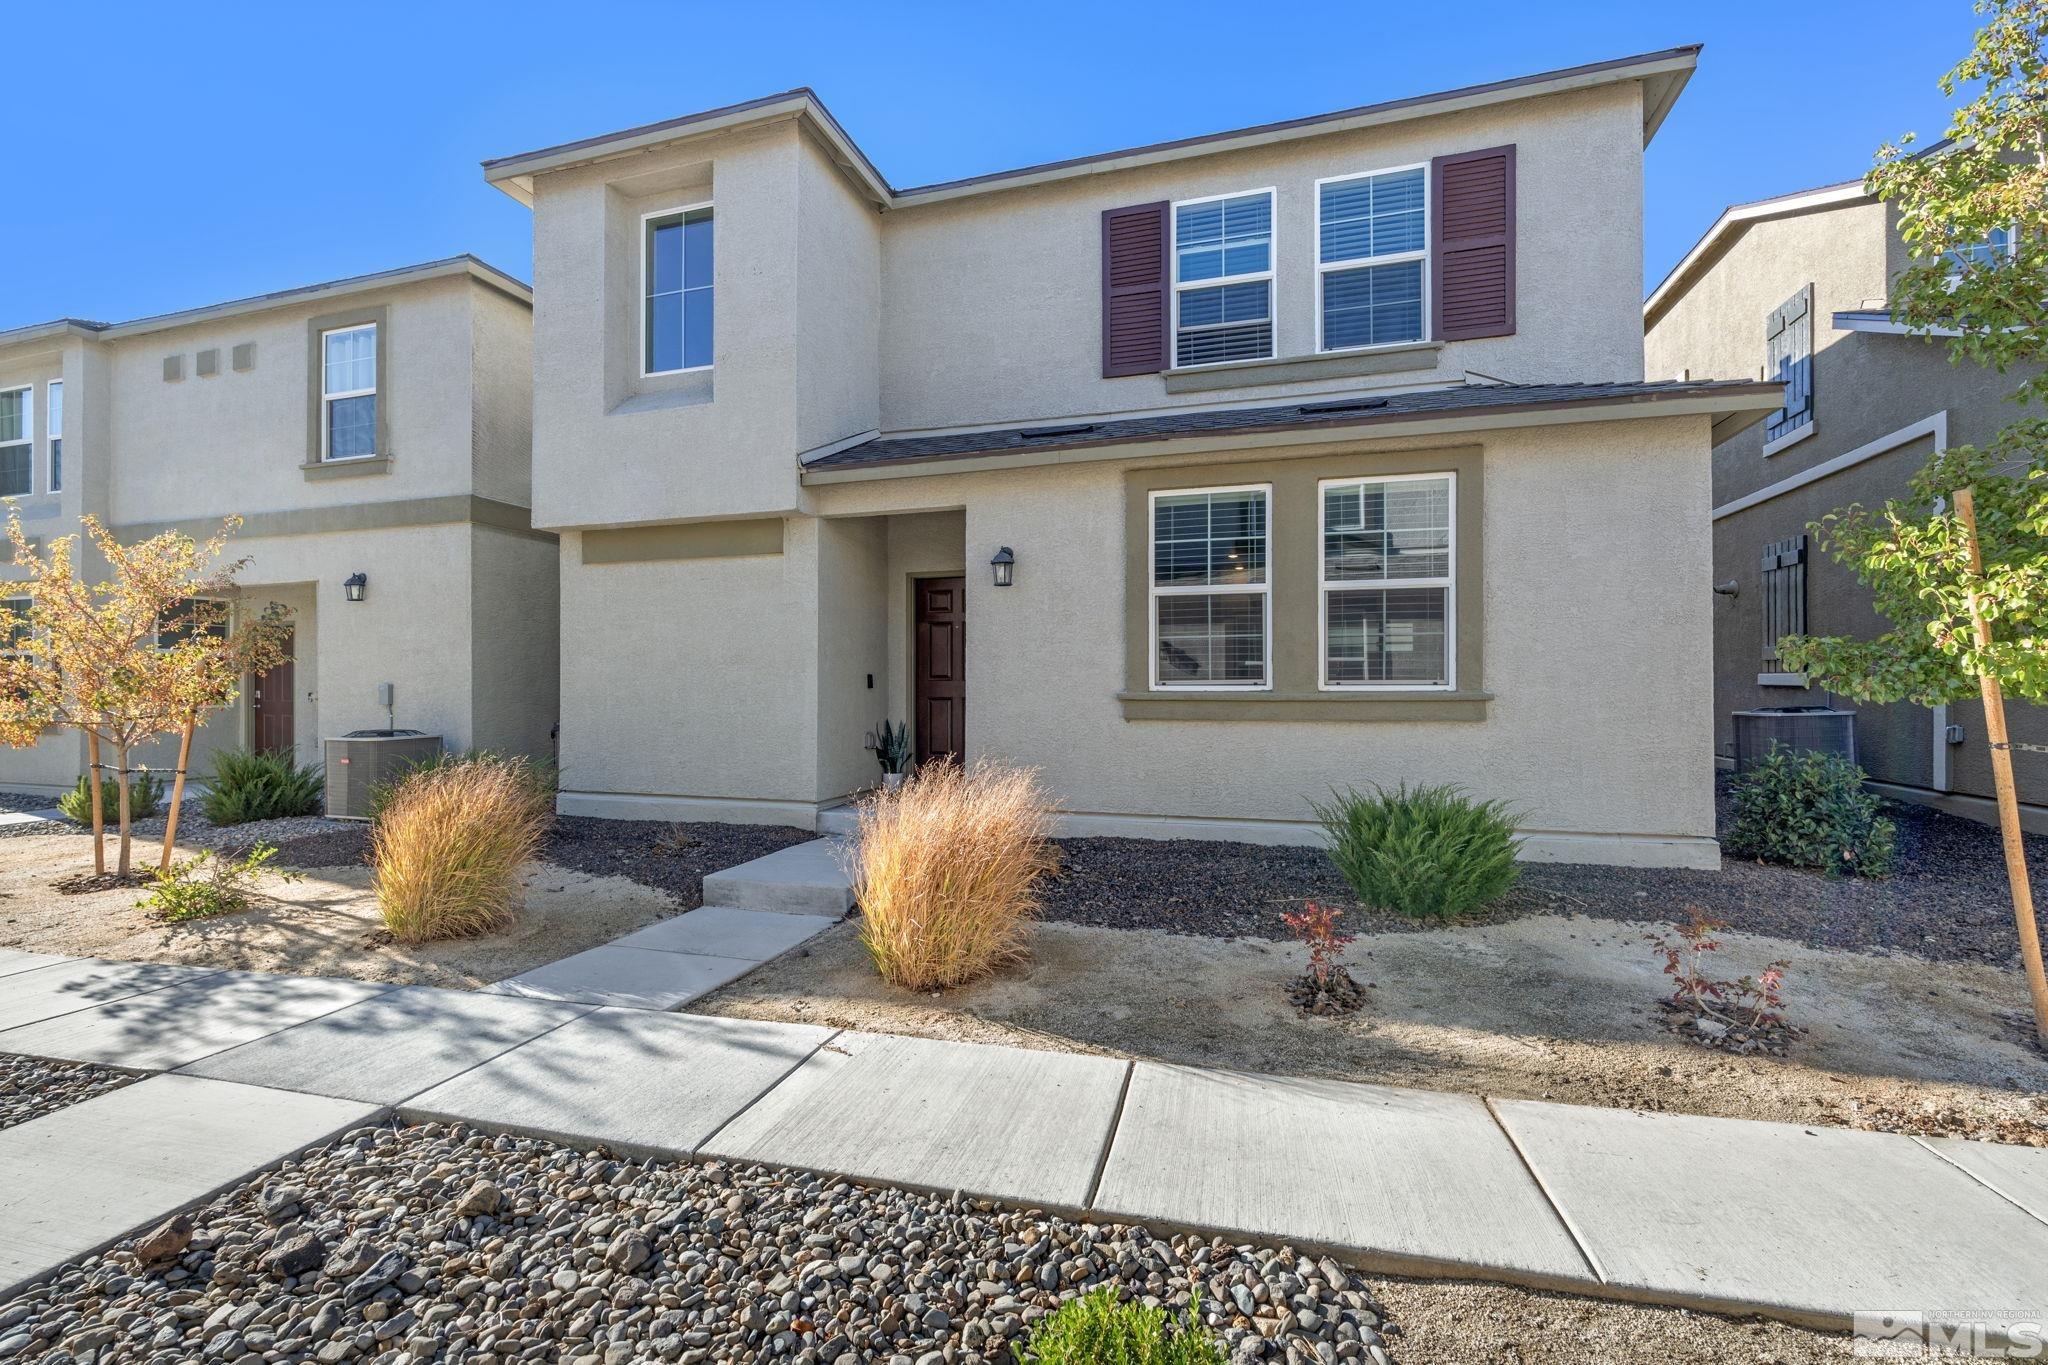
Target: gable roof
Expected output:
[1741,400]
[468,265]
[1733,222]
[1663,75]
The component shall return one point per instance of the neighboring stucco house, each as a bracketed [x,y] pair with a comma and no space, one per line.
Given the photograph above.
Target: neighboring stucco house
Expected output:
[1798,286]
[377,427]
[1314,454]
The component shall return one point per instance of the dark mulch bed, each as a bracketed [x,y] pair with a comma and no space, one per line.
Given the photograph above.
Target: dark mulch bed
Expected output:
[668,857]
[1946,901]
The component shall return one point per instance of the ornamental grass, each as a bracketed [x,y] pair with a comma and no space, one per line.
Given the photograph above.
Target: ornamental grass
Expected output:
[449,845]
[946,869]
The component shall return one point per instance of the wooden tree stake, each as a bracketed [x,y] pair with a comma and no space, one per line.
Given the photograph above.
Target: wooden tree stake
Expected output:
[2008,796]
[177,792]
[99,820]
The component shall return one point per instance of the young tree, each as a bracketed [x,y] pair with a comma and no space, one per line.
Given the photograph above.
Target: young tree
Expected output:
[1960,566]
[148,650]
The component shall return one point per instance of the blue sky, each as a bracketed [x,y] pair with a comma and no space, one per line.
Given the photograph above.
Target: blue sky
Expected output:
[168,156]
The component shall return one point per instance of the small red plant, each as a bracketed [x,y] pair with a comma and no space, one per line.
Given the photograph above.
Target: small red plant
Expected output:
[1316,926]
[1754,1002]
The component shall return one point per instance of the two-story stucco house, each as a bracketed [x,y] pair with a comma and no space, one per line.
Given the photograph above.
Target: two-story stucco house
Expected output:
[375,436]
[1204,476]
[1798,286]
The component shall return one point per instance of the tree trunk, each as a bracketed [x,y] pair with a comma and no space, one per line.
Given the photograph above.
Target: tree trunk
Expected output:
[177,792]
[99,820]
[2008,797]
[121,751]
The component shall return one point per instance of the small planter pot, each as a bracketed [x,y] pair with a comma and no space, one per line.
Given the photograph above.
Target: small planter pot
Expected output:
[891,781]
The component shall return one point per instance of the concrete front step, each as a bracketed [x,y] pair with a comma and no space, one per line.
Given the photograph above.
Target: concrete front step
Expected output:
[804,879]
[670,962]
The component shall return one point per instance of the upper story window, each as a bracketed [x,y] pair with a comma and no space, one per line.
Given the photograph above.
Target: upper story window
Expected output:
[1372,253]
[1211,604]
[348,392]
[676,312]
[1788,359]
[17,636]
[17,443]
[1387,581]
[53,415]
[1989,253]
[1223,279]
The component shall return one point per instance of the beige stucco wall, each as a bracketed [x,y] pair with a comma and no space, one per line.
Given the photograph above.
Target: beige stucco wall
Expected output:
[1596,550]
[993,302]
[515,633]
[501,394]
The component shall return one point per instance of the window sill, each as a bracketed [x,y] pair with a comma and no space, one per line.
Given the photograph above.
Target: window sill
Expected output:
[316,470]
[1416,355]
[674,389]
[1306,706]
[1786,442]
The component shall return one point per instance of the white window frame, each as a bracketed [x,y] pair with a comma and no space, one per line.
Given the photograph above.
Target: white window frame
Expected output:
[1154,591]
[1325,585]
[1272,194]
[28,432]
[329,399]
[640,339]
[1361,262]
[8,600]
[53,408]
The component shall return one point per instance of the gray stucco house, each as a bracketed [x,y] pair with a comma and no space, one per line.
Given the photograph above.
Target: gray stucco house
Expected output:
[374,428]
[1204,476]
[1797,287]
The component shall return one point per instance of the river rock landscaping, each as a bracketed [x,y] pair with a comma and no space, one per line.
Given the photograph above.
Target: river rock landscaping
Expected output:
[31,1087]
[434,1242]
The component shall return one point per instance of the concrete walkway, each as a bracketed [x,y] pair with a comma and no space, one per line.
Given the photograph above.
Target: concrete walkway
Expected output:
[1806,1224]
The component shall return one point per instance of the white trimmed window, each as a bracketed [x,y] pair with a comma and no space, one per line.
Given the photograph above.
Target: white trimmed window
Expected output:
[348,392]
[1388,580]
[676,290]
[1989,253]
[53,417]
[1372,259]
[1223,279]
[15,631]
[17,443]
[1212,610]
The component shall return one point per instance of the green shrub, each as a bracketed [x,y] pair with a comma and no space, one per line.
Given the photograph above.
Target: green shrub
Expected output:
[210,884]
[1809,809]
[1430,853]
[145,793]
[540,774]
[1097,1330]
[260,784]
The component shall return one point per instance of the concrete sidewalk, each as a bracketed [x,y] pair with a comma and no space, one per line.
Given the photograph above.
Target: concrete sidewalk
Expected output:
[1808,1224]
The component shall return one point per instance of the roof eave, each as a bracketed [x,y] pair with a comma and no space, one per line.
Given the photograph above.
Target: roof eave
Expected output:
[1663,74]
[1746,405]
[1735,219]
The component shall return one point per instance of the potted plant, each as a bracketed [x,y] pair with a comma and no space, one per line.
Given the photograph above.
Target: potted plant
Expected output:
[890,744]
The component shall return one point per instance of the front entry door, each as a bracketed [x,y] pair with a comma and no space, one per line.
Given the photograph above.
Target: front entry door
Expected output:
[272,697]
[941,702]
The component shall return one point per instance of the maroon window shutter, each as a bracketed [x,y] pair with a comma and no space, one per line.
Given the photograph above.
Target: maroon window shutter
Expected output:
[1135,285]
[1472,203]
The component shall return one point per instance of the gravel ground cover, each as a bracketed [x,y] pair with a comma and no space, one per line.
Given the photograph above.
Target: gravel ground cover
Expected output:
[196,831]
[20,801]
[31,1087]
[1947,900]
[439,1243]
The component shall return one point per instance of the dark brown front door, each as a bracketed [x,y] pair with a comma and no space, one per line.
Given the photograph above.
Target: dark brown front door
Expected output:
[941,714]
[272,695]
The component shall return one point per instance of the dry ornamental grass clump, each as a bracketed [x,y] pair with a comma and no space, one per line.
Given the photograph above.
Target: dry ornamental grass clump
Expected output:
[449,845]
[946,870]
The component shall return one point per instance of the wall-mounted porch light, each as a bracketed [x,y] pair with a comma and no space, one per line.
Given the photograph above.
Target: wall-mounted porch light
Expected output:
[1004,566]
[355,585]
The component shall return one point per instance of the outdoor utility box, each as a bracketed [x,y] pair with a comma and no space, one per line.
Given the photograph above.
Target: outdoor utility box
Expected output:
[363,760]
[1822,728]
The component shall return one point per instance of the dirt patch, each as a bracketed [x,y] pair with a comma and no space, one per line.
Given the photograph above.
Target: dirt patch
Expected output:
[1544,1007]
[323,925]
[1446,1322]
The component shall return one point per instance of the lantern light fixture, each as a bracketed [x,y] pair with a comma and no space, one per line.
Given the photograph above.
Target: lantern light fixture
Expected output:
[1004,566]
[355,585]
